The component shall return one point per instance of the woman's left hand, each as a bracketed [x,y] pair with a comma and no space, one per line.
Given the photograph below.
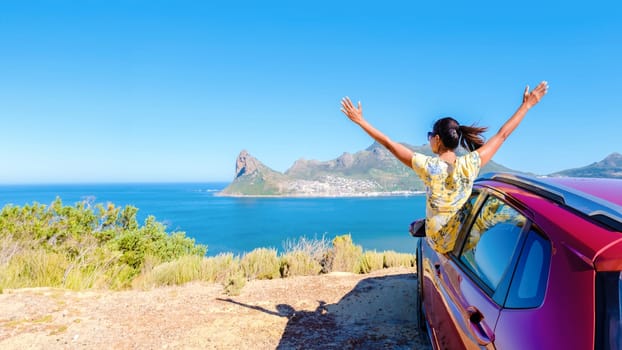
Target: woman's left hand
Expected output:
[531,98]
[355,114]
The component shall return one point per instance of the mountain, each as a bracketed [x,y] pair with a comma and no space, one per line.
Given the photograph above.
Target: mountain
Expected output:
[373,171]
[253,178]
[610,167]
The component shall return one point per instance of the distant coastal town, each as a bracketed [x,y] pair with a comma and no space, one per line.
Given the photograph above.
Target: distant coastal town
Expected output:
[372,172]
[331,186]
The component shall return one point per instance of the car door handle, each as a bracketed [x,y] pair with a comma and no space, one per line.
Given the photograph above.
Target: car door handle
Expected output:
[480,331]
[437,269]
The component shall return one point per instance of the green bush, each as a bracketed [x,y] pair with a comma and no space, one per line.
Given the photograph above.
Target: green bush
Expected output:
[152,239]
[83,246]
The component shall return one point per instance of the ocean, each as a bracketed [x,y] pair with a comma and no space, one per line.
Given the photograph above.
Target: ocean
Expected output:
[239,225]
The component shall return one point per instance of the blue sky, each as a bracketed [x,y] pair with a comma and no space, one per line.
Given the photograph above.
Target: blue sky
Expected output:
[150,91]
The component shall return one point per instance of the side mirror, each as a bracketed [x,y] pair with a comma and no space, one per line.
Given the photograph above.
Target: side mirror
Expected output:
[417,228]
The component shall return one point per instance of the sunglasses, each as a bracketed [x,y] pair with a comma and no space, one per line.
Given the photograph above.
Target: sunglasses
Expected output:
[430,135]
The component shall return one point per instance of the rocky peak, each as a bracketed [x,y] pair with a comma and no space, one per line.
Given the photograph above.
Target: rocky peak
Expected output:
[612,160]
[246,164]
[298,165]
[345,160]
[375,147]
[379,152]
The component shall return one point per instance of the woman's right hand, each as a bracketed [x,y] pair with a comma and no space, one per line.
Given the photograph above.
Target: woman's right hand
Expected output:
[531,98]
[401,152]
[355,114]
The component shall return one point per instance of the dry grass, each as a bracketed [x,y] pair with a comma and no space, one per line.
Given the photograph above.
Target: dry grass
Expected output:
[371,261]
[94,266]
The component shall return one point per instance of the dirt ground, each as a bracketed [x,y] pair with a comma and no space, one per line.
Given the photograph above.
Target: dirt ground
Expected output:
[334,311]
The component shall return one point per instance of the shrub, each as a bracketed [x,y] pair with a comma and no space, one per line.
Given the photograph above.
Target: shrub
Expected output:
[90,268]
[344,256]
[82,246]
[394,259]
[220,267]
[316,248]
[34,268]
[185,269]
[30,222]
[234,283]
[370,261]
[119,277]
[304,256]
[261,263]
[225,269]
[9,247]
[299,263]
[86,246]
[189,268]
[152,239]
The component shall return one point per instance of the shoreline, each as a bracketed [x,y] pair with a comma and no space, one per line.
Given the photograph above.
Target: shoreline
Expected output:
[303,195]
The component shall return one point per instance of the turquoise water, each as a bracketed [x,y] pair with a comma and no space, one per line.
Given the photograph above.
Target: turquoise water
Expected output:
[239,225]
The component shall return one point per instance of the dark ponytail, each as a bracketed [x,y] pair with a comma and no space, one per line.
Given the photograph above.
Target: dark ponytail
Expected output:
[472,137]
[453,134]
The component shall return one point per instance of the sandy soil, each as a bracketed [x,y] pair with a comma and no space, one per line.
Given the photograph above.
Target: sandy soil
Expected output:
[334,311]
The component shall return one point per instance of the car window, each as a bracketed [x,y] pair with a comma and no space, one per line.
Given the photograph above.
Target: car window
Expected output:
[529,283]
[466,210]
[492,240]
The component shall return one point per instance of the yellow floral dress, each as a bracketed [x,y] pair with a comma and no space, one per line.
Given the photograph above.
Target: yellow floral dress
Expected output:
[448,187]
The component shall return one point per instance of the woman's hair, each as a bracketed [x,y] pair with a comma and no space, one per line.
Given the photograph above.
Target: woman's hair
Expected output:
[453,134]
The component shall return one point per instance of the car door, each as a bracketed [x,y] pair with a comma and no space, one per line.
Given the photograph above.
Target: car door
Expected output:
[436,283]
[472,281]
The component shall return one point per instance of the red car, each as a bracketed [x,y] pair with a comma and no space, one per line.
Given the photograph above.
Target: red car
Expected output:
[537,265]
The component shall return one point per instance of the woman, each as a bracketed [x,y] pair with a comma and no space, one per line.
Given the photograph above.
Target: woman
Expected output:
[448,177]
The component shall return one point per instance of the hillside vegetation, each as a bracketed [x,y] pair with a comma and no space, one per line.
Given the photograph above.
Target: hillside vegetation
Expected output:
[83,246]
[95,246]
[610,167]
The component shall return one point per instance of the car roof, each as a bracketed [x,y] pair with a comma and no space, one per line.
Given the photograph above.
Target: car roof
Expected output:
[606,189]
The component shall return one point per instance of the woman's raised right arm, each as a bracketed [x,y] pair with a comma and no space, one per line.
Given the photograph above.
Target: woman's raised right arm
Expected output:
[400,151]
